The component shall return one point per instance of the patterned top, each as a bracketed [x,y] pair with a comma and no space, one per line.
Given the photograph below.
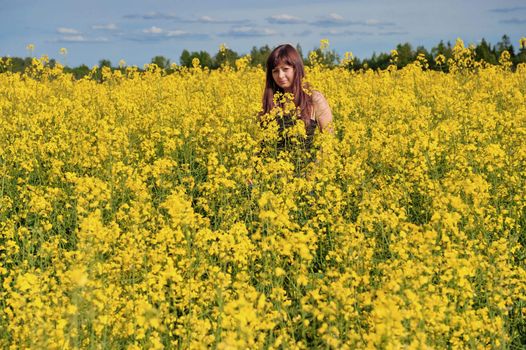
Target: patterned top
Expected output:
[320,111]
[288,122]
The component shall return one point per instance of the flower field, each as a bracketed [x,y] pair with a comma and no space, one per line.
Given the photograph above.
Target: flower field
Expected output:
[152,210]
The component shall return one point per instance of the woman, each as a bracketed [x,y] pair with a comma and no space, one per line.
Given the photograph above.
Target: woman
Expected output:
[285,73]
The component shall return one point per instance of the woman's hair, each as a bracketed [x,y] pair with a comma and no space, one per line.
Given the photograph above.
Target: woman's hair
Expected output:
[287,54]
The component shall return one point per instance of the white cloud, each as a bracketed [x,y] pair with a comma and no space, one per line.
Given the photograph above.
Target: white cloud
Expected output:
[206,19]
[372,22]
[159,15]
[338,32]
[73,38]
[336,20]
[81,39]
[335,17]
[248,31]
[157,33]
[284,19]
[153,30]
[64,30]
[212,20]
[172,33]
[332,19]
[152,15]
[109,26]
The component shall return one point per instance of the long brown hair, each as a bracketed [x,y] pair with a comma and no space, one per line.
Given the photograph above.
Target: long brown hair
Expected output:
[287,54]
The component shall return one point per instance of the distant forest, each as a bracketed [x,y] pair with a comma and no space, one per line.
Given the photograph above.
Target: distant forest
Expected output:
[484,51]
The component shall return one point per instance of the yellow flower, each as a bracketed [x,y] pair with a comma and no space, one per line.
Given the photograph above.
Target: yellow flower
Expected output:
[150,209]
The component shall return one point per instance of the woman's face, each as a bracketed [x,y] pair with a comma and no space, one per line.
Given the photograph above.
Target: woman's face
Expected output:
[283,75]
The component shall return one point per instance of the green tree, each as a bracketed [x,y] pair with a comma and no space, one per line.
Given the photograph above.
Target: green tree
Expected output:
[161,62]
[300,52]
[204,58]
[104,63]
[225,56]
[504,45]
[422,50]
[326,57]
[259,55]
[520,57]
[406,54]
[18,64]
[78,72]
[186,58]
[377,61]
[484,52]
[444,50]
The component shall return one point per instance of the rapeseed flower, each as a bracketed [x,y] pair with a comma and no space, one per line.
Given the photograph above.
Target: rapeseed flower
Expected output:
[152,210]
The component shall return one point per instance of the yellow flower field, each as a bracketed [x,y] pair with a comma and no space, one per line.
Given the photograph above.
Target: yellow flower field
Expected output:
[152,211]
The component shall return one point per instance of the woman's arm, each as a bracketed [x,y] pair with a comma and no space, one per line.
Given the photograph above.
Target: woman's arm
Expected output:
[322,111]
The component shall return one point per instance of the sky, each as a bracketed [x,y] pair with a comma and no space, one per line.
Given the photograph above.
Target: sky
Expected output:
[135,31]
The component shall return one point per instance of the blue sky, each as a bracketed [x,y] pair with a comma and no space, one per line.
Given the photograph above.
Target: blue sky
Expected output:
[136,31]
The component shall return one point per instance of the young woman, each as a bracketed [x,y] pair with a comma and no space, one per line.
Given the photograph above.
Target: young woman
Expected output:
[285,73]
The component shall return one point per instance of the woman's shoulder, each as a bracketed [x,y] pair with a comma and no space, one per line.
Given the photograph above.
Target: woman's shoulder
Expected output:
[322,111]
[317,96]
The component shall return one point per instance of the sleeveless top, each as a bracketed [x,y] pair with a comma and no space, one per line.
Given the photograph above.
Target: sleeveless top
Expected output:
[288,122]
[320,108]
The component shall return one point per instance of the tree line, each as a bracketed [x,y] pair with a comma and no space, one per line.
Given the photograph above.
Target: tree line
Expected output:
[406,53]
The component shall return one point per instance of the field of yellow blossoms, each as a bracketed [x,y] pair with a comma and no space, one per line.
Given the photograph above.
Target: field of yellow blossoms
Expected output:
[153,211]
